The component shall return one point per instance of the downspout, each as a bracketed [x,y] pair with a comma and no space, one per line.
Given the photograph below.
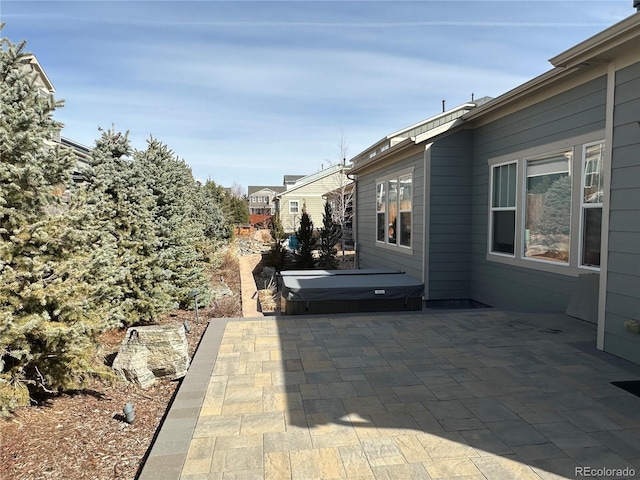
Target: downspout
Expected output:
[354,220]
[604,239]
[426,219]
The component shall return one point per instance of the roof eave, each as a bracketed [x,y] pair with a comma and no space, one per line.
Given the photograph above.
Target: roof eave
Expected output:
[371,161]
[594,47]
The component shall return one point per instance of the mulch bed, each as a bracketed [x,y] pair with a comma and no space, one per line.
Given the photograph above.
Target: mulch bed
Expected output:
[82,434]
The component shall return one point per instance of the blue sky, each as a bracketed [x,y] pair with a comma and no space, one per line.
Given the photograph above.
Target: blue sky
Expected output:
[248,91]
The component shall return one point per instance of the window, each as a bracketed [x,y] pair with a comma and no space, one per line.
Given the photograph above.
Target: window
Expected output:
[254,199]
[548,208]
[381,207]
[394,209]
[545,206]
[503,208]
[294,206]
[591,204]
[406,207]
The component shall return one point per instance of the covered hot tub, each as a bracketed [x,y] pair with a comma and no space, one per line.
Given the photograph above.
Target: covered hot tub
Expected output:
[348,291]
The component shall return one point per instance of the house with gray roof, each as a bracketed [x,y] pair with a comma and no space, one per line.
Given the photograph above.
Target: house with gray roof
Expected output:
[530,200]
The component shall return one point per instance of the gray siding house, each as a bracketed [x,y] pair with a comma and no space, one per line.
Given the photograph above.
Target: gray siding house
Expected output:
[527,201]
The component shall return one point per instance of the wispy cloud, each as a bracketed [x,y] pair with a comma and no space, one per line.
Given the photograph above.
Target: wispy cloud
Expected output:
[250,91]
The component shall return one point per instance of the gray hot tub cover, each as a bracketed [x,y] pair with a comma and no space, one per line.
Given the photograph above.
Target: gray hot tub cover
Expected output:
[340,285]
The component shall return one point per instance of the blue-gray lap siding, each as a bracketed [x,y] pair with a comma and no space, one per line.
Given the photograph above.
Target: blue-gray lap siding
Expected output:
[623,279]
[371,255]
[578,111]
[449,231]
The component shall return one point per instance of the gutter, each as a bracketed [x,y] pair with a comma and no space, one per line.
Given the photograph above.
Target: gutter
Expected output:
[600,43]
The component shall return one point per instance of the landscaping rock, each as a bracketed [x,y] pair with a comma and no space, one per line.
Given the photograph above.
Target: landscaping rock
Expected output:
[153,351]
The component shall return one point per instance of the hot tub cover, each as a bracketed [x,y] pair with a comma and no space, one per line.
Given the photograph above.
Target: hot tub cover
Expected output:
[339,285]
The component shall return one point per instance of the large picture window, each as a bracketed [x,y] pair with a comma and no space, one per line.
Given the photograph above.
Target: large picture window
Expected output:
[503,208]
[548,208]
[394,210]
[591,204]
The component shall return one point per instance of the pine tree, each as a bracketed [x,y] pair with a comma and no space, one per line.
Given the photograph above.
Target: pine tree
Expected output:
[277,252]
[120,211]
[47,330]
[330,234]
[176,227]
[238,210]
[211,213]
[303,254]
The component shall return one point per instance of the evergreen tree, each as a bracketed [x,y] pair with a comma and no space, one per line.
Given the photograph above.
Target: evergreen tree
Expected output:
[175,219]
[120,210]
[238,210]
[277,253]
[47,328]
[303,253]
[330,234]
[556,214]
[211,213]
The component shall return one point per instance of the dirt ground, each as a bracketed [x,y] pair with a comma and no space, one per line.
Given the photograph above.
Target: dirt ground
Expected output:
[83,435]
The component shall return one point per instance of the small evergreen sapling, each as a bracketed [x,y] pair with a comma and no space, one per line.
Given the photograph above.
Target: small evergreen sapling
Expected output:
[303,253]
[330,235]
[277,252]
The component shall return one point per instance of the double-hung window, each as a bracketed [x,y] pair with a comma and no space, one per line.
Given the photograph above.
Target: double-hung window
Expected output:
[503,208]
[394,210]
[294,206]
[545,206]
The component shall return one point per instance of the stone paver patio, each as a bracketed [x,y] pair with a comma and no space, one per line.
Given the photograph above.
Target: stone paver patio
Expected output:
[480,394]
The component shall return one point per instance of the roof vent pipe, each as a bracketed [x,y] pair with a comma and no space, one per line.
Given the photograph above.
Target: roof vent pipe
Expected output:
[443,105]
[636,5]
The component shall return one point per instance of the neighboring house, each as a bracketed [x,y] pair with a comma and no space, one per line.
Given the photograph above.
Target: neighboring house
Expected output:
[310,192]
[83,156]
[290,180]
[261,199]
[46,88]
[528,201]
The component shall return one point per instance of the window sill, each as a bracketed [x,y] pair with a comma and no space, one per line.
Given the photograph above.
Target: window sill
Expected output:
[395,248]
[531,264]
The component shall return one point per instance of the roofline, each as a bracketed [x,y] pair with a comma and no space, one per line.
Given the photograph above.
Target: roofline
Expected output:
[326,172]
[407,143]
[36,65]
[566,63]
[431,119]
[271,188]
[380,157]
[599,43]
[391,136]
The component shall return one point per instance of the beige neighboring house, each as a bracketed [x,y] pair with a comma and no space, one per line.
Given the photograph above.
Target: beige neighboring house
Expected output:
[309,191]
[46,89]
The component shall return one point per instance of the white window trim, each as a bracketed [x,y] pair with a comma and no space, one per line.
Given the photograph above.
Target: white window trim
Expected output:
[503,209]
[392,246]
[572,268]
[291,202]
